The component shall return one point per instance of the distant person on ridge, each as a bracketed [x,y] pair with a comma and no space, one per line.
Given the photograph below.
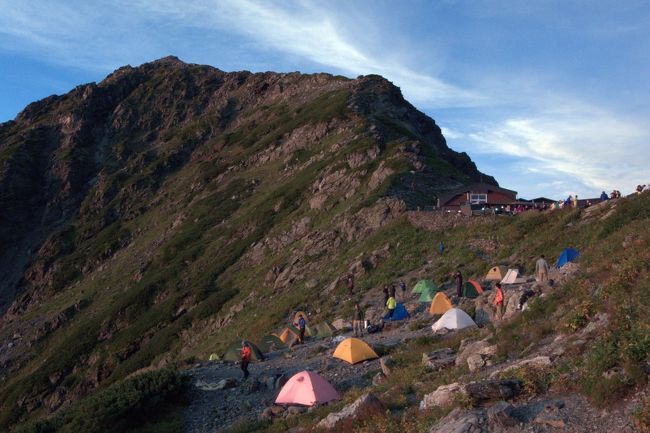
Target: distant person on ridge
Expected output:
[441,248]
[357,321]
[458,278]
[301,326]
[391,304]
[498,301]
[603,196]
[245,358]
[541,269]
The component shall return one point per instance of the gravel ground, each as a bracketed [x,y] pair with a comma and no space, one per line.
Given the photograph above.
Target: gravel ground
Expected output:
[213,411]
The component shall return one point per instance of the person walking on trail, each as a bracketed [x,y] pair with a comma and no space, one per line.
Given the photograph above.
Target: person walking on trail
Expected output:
[498,301]
[458,278]
[441,248]
[245,358]
[301,326]
[391,304]
[357,321]
[402,287]
[541,269]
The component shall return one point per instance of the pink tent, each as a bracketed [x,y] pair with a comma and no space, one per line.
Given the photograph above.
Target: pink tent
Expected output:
[307,388]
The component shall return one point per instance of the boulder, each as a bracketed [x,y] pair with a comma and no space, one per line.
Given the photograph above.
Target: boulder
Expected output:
[378,379]
[512,304]
[439,359]
[475,362]
[502,414]
[481,348]
[366,403]
[461,422]
[340,324]
[443,396]
[492,389]
[551,416]
[226,383]
[386,363]
[538,362]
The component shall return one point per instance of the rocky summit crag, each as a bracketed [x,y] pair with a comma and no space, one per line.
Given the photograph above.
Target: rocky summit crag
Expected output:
[172,207]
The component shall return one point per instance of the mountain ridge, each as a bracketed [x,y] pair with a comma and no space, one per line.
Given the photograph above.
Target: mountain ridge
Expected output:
[133,210]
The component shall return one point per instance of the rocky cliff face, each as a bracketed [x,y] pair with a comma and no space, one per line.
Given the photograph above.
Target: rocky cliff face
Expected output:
[142,213]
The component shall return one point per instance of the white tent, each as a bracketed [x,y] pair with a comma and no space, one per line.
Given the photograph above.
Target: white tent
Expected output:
[512,277]
[454,318]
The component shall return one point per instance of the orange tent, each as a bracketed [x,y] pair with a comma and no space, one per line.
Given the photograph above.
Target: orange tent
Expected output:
[440,304]
[353,350]
[289,334]
[307,388]
[496,273]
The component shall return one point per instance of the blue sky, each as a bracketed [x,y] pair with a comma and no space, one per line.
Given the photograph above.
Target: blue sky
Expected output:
[551,97]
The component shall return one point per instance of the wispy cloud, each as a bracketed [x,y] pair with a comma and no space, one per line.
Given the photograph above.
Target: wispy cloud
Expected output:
[500,110]
[590,144]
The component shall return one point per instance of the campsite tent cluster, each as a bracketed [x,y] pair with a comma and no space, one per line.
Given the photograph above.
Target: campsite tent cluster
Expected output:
[308,388]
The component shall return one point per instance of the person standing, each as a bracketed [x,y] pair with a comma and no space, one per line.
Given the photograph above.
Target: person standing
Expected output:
[458,278]
[386,294]
[498,301]
[441,247]
[392,291]
[245,355]
[541,269]
[391,304]
[301,327]
[357,321]
[350,281]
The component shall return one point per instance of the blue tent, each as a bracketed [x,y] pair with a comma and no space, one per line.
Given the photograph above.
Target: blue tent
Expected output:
[568,255]
[400,313]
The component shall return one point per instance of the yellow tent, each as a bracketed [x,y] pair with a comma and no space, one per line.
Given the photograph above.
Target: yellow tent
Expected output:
[289,334]
[353,350]
[496,273]
[440,304]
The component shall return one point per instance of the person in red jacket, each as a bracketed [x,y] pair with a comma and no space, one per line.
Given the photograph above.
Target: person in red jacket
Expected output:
[498,301]
[245,358]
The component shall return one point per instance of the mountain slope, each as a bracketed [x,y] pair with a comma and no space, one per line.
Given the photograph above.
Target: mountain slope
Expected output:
[140,215]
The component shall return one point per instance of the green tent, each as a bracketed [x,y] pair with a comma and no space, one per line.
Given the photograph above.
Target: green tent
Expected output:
[471,289]
[234,352]
[428,294]
[424,285]
[270,342]
[323,330]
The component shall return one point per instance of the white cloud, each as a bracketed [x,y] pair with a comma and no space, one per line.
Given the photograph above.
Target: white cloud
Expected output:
[596,147]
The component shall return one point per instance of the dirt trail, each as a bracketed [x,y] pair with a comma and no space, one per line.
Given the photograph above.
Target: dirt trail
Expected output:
[215,410]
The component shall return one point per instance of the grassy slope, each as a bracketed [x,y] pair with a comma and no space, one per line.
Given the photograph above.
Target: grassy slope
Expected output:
[613,279]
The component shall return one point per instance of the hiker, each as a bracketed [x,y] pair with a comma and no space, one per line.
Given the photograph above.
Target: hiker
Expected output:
[391,304]
[301,326]
[350,281]
[574,201]
[357,321]
[386,295]
[458,278]
[441,247]
[541,269]
[498,301]
[391,292]
[245,358]
[603,196]
[402,287]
